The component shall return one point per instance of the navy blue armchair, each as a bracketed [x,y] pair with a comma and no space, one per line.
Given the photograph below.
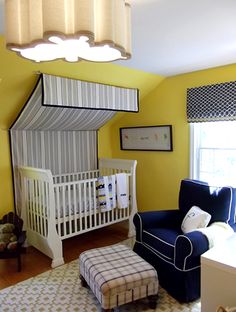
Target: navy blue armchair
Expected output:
[175,255]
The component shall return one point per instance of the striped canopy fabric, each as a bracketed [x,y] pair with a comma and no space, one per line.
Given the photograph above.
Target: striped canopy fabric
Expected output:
[36,116]
[67,92]
[57,128]
[212,103]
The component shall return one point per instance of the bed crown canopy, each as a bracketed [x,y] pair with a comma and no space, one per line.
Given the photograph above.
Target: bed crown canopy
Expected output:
[59,103]
[57,127]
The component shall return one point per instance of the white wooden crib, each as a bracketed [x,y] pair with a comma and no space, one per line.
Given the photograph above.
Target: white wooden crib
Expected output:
[62,206]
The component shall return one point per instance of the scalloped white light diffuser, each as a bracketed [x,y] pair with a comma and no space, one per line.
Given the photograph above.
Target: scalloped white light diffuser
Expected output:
[46,30]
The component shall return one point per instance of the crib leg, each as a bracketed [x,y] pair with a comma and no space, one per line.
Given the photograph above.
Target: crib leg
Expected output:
[55,244]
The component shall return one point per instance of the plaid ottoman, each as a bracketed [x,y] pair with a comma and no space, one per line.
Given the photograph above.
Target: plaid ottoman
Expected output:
[117,275]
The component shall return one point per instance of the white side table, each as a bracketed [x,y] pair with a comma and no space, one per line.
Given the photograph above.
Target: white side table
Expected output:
[218,276]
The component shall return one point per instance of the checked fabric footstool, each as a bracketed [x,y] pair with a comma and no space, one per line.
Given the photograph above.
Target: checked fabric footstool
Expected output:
[117,275]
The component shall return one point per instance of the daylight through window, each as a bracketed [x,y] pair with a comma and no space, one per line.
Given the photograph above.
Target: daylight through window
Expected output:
[213,152]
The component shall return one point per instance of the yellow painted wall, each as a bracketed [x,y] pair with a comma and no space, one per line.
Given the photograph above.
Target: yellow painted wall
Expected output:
[159,173]
[17,78]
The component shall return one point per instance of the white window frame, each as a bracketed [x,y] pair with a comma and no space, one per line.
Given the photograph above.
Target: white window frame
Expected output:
[195,139]
[194,161]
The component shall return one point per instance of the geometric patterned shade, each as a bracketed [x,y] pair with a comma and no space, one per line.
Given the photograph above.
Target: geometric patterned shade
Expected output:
[215,102]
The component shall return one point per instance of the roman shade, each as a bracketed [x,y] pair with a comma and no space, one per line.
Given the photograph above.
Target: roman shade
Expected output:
[216,102]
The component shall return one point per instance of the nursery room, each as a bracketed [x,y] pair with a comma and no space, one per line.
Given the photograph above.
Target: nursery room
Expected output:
[117,155]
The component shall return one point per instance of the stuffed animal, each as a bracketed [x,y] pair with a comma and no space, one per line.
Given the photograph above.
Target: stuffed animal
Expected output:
[7,237]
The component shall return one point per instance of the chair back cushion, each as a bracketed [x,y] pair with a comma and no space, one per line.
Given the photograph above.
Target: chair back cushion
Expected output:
[217,201]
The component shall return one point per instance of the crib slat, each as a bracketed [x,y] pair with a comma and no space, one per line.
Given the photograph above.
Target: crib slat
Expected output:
[34,206]
[80,208]
[43,208]
[31,204]
[90,207]
[39,210]
[57,208]
[37,204]
[94,204]
[40,207]
[108,216]
[85,206]
[63,209]
[46,206]
[75,208]
[27,196]
[113,215]
[69,209]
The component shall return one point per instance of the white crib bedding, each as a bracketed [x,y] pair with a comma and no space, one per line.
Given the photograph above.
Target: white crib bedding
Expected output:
[68,205]
[108,195]
[70,201]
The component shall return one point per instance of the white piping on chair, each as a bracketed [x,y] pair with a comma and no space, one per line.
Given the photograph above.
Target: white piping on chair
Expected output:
[141,227]
[159,239]
[153,251]
[184,267]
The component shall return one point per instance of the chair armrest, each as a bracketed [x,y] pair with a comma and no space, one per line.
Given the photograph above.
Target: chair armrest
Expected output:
[155,219]
[188,249]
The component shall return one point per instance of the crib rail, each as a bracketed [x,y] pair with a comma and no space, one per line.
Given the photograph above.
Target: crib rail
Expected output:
[75,206]
[77,211]
[75,176]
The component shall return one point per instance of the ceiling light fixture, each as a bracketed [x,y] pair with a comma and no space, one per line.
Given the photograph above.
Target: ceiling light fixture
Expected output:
[46,30]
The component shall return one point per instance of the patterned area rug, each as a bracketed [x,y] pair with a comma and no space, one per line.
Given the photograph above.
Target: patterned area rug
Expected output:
[59,290]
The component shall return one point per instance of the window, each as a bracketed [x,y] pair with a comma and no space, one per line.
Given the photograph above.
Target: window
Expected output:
[213,152]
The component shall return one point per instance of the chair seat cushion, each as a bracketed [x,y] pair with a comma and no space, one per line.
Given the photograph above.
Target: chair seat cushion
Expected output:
[162,240]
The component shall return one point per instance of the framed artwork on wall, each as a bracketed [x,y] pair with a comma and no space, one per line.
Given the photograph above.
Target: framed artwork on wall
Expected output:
[146,138]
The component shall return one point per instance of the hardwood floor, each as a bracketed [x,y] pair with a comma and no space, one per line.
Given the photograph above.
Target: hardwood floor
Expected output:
[34,262]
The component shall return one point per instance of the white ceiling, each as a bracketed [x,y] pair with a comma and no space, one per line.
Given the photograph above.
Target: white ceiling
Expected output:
[171,37]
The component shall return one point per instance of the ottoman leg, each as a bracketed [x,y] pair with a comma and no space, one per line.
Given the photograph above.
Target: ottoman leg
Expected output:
[153,301]
[83,281]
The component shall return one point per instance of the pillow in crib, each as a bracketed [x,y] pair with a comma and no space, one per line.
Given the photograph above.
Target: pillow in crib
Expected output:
[195,218]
